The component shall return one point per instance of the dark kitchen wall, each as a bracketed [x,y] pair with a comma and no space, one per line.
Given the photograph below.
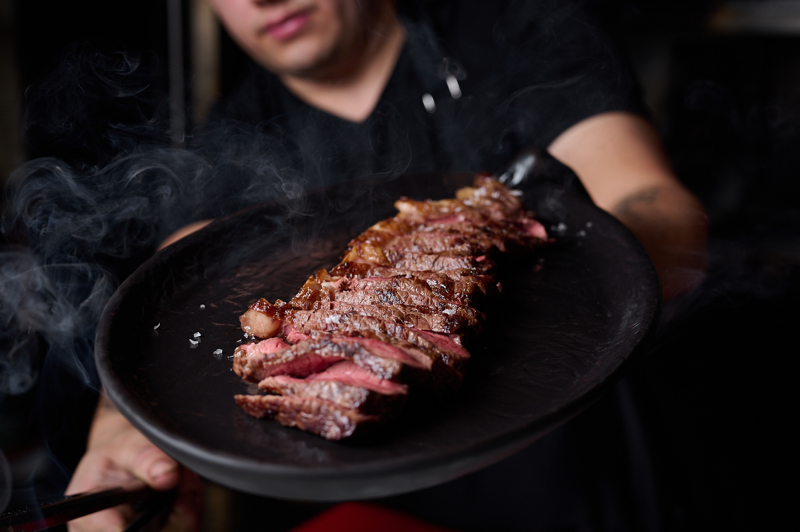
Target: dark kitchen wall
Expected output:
[717,392]
[43,28]
[10,147]
[60,47]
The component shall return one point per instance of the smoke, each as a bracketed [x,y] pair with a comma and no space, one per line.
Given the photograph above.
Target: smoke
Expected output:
[80,233]
[76,224]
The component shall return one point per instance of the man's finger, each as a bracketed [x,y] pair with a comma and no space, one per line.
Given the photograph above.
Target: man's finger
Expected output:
[149,463]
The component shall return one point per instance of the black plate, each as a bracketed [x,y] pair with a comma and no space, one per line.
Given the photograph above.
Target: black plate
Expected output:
[558,336]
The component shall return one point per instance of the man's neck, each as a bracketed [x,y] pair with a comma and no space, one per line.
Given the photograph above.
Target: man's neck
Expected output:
[353,91]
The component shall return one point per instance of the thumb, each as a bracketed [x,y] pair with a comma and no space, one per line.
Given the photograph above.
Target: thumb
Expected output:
[149,463]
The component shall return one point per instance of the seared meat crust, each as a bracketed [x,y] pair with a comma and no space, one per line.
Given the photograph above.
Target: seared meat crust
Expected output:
[392,316]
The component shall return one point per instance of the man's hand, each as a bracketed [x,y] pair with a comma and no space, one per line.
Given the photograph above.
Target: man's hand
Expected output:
[620,161]
[117,453]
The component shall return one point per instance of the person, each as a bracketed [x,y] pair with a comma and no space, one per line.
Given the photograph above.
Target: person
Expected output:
[345,88]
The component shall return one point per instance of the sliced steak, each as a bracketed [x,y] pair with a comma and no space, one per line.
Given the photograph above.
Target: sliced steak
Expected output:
[344,351]
[317,354]
[325,418]
[415,296]
[417,261]
[437,261]
[252,351]
[364,269]
[354,375]
[462,321]
[445,290]
[345,384]
[352,397]
[440,242]
[447,283]
[320,320]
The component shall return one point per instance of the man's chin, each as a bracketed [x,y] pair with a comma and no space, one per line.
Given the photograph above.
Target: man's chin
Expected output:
[321,67]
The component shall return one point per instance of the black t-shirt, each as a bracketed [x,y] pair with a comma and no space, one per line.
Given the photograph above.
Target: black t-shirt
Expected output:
[527,70]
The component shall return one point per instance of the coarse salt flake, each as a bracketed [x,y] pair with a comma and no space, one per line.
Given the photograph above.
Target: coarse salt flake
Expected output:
[197,335]
[157,326]
[202,307]
[449,311]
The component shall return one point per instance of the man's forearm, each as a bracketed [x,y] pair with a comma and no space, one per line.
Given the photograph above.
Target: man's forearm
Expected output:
[672,226]
[620,160]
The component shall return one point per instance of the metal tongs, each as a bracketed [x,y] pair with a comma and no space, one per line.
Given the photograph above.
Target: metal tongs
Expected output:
[155,506]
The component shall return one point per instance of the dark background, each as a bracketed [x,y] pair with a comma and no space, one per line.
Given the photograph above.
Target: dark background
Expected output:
[716,393]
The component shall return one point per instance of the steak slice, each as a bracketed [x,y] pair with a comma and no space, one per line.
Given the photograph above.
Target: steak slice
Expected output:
[437,261]
[410,298]
[365,269]
[460,322]
[487,198]
[423,241]
[252,351]
[353,375]
[417,261]
[443,356]
[325,418]
[445,290]
[345,384]
[309,322]
[317,354]
[442,241]
[419,284]
[345,395]
[456,320]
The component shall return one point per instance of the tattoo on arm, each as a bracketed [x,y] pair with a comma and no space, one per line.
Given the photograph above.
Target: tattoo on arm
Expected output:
[632,203]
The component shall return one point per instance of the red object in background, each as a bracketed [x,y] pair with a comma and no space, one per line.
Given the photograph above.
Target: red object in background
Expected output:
[360,517]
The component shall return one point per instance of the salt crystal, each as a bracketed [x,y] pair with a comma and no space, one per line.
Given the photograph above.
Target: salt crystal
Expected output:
[193,343]
[157,326]
[218,352]
[589,225]
[449,311]
[581,233]
[197,335]
[202,307]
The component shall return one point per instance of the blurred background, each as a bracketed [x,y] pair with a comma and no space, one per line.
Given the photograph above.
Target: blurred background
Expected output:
[722,80]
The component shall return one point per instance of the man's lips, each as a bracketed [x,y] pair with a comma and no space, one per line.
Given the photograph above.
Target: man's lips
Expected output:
[288,26]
